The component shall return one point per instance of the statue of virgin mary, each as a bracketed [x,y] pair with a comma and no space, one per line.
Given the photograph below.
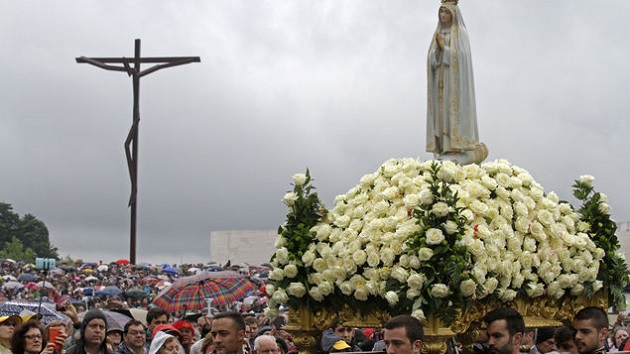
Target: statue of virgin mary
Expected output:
[451,112]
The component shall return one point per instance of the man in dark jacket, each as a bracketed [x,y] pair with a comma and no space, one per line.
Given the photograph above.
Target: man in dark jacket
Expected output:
[133,339]
[92,339]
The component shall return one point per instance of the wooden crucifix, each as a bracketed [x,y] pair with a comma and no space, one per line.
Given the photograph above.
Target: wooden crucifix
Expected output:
[131,143]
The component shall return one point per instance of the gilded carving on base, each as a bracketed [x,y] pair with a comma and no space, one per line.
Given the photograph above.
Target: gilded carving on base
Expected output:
[306,326]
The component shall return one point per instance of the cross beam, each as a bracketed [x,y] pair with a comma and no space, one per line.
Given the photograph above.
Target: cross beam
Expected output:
[131,143]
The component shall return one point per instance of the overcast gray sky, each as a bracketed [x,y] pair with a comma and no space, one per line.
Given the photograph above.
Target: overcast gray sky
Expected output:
[337,86]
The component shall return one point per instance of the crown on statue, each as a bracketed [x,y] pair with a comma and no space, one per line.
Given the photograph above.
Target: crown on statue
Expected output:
[449,2]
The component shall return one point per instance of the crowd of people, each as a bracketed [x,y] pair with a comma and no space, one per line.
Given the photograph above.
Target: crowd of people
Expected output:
[139,285]
[237,333]
[240,327]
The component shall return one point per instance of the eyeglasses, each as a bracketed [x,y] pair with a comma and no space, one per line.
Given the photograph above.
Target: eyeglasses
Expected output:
[135,333]
[33,336]
[268,351]
[8,324]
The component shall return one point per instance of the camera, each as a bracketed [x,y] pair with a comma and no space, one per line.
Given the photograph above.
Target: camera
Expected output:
[60,307]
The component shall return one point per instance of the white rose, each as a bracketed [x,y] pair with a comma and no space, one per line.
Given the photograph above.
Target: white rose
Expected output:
[346,288]
[413,293]
[426,197]
[425,253]
[319,265]
[361,293]
[297,289]
[451,227]
[359,257]
[440,209]
[603,208]
[368,180]
[479,207]
[467,287]
[411,201]
[508,295]
[414,262]
[545,217]
[415,281]
[491,285]
[587,179]
[299,179]
[439,290]
[308,257]
[276,274]
[434,236]
[290,271]
[326,288]
[419,314]
[391,297]
[373,259]
[281,296]
[290,198]
[280,242]
[315,293]
[399,274]
[387,256]
[282,255]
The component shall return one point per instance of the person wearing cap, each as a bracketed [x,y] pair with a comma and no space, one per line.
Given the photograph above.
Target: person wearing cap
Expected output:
[92,336]
[7,327]
[187,331]
[114,337]
[134,339]
[338,332]
[545,342]
[228,332]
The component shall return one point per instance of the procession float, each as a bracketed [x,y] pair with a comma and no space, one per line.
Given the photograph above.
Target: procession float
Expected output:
[445,240]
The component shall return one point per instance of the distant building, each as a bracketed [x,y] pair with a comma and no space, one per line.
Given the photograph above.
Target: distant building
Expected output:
[242,246]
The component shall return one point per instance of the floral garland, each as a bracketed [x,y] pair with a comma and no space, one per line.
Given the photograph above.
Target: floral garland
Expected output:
[431,237]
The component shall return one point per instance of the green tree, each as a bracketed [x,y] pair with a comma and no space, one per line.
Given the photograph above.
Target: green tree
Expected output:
[31,232]
[15,250]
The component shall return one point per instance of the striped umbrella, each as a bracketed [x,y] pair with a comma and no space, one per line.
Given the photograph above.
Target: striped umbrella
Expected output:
[191,292]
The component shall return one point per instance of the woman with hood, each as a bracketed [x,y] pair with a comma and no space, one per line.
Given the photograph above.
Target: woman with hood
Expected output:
[164,343]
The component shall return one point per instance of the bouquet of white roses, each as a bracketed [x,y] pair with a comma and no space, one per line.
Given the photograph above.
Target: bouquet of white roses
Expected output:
[431,237]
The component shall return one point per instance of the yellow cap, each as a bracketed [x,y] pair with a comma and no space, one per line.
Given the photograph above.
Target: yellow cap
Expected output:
[341,345]
[13,318]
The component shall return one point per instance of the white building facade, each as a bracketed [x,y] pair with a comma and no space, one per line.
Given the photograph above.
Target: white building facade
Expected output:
[253,247]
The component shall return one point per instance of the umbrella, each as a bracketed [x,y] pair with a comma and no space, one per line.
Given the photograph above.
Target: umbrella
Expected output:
[135,293]
[192,292]
[57,271]
[14,308]
[103,268]
[91,278]
[149,280]
[13,285]
[136,313]
[144,266]
[9,277]
[114,319]
[170,270]
[122,262]
[163,284]
[109,291]
[45,284]
[27,277]
[194,270]
[30,284]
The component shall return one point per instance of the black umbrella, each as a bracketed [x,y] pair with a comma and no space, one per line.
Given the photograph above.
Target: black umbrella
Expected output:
[27,277]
